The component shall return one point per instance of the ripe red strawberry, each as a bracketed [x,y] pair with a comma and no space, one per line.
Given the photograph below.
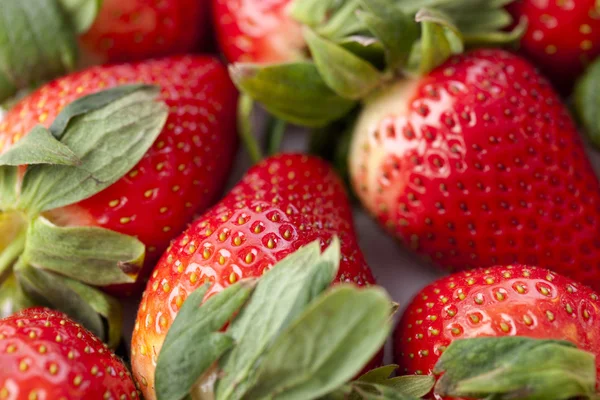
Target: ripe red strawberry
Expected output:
[562,37]
[499,301]
[283,203]
[129,30]
[182,174]
[45,355]
[257,31]
[479,164]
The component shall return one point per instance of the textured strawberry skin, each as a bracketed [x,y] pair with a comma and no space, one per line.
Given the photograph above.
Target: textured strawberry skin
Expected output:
[283,203]
[185,170]
[131,30]
[257,31]
[482,165]
[45,355]
[562,37]
[499,301]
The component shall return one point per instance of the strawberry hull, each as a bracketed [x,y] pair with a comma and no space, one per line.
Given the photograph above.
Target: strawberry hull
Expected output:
[479,164]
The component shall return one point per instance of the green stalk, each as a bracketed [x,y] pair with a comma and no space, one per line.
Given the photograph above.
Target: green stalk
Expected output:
[245,131]
[276,133]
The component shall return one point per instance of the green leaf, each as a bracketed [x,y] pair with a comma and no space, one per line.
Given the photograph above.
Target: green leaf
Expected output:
[39,147]
[294,92]
[12,297]
[51,290]
[394,29]
[81,12]
[295,282]
[366,47]
[8,187]
[515,367]
[368,391]
[37,43]
[325,346]
[378,375]
[587,102]
[194,342]
[11,252]
[348,75]
[342,21]
[311,12]
[96,256]
[109,141]
[93,102]
[440,39]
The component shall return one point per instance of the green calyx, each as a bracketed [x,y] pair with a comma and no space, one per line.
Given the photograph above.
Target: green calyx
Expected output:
[92,143]
[38,40]
[290,336]
[358,46]
[516,368]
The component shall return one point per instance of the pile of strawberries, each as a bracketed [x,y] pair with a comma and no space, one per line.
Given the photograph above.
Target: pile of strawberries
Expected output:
[452,124]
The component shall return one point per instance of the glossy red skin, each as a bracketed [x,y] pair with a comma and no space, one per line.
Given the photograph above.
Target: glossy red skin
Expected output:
[511,295]
[182,174]
[292,193]
[45,355]
[562,37]
[132,30]
[259,31]
[486,167]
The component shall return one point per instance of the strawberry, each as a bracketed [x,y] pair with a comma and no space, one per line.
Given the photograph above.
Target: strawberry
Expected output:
[281,204]
[479,164]
[130,30]
[45,355]
[562,37]
[257,31]
[500,301]
[185,170]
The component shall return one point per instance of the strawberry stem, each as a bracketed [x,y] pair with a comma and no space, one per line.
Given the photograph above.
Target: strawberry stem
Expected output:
[276,133]
[245,106]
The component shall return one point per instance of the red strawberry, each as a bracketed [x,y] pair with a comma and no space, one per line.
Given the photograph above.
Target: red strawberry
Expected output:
[562,36]
[499,301]
[183,173]
[283,203]
[479,164]
[129,30]
[45,355]
[259,31]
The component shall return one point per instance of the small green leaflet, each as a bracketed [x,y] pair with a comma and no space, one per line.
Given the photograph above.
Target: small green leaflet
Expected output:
[39,147]
[37,43]
[368,391]
[587,102]
[281,295]
[194,341]
[408,385]
[394,29]
[113,259]
[516,367]
[81,12]
[109,141]
[346,74]
[325,346]
[294,92]
[85,304]
[12,297]
[8,187]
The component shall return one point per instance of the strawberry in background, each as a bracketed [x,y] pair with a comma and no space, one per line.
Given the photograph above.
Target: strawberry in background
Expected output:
[562,37]
[261,31]
[131,30]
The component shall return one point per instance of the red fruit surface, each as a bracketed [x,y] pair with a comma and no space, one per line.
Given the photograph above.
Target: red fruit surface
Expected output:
[283,203]
[480,164]
[499,301]
[185,170]
[45,355]
[259,31]
[131,30]
[562,36]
